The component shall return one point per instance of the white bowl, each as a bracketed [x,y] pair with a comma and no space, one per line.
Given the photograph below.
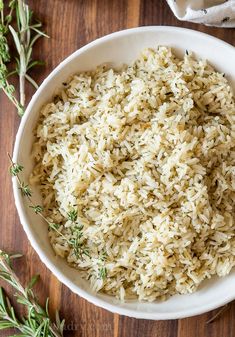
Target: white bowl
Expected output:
[118,48]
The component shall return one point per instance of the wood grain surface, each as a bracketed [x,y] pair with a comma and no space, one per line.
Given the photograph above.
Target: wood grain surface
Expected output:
[72,24]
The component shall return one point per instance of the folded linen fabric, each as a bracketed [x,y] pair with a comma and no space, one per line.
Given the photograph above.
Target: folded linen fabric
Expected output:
[209,12]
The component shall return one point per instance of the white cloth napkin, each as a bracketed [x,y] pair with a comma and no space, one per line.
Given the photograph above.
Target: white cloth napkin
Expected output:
[209,12]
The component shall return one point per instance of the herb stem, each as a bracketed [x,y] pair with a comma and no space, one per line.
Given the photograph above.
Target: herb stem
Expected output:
[219,312]
[2,17]
[33,205]
[11,98]
[23,31]
[27,299]
[22,88]
[5,266]
[25,34]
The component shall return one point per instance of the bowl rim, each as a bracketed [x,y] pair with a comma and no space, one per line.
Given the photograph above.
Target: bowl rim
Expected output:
[23,219]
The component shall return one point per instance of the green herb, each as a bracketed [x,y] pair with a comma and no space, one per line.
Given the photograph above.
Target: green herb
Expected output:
[37,322]
[24,36]
[75,241]
[102,271]
[25,190]
[16,169]
[8,89]
[103,256]
[37,209]
[72,215]
[54,226]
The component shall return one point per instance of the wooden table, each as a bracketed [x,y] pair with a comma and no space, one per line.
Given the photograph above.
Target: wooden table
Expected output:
[71,24]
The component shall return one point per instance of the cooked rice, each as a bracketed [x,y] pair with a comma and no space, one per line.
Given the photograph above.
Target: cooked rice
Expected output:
[146,155]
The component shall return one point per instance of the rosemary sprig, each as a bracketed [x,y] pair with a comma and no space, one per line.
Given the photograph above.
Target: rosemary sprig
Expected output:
[75,242]
[8,89]
[37,322]
[24,41]
[24,36]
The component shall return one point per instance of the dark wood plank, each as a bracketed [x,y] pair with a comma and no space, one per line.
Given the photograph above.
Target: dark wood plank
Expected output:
[71,24]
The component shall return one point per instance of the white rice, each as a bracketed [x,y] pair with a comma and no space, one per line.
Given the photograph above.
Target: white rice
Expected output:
[146,156]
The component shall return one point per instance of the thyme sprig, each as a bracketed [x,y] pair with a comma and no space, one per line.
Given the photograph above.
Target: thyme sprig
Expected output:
[37,322]
[75,241]
[79,249]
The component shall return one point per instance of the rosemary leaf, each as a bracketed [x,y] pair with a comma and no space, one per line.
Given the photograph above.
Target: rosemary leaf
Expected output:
[37,321]
[24,41]
[25,35]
